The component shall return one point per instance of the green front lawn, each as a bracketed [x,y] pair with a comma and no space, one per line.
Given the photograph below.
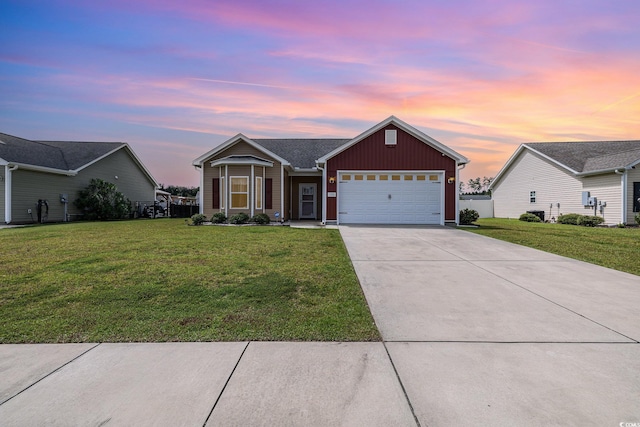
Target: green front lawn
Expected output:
[617,248]
[160,280]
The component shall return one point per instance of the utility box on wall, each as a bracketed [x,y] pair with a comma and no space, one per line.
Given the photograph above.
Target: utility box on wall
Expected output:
[585,198]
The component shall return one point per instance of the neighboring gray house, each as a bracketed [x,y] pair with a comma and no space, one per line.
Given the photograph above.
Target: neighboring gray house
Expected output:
[571,177]
[47,170]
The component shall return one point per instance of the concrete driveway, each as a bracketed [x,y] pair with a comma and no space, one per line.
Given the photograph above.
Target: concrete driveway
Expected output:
[476,332]
[486,332]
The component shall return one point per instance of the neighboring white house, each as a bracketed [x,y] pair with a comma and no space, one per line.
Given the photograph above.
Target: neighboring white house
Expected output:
[601,178]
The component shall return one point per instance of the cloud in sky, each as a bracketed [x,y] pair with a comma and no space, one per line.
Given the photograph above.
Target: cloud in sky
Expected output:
[174,79]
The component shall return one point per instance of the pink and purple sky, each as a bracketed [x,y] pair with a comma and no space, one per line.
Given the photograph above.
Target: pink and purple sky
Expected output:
[176,78]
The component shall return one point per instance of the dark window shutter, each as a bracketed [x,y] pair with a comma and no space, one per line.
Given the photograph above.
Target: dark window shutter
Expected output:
[268,193]
[216,193]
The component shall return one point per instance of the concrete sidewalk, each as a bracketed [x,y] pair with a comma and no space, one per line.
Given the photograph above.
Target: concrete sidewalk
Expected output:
[476,331]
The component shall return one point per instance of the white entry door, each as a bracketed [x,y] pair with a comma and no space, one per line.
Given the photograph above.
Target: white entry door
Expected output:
[391,198]
[307,201]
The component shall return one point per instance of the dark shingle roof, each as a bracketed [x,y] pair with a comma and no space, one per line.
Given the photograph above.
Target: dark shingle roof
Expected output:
[301,153]
[62,155]
[590,156]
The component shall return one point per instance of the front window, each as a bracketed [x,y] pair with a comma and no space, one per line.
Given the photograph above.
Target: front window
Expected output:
[239,192]
[532,197]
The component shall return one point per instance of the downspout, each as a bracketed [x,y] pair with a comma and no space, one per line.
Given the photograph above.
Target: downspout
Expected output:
[458,169]
[324,193]
[623,184]
[7,192]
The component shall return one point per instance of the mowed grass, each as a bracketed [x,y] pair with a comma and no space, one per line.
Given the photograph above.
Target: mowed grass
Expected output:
[161,280]
[617,248]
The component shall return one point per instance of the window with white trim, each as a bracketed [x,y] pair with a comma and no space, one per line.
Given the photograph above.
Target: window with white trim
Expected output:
[258,190]
[532,196]
[239,192]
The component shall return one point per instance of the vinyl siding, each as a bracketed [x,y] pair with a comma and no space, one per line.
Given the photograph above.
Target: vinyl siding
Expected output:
[552,185]
[408,154]
[632,176]
[239,149]
[29,186]
[607,188]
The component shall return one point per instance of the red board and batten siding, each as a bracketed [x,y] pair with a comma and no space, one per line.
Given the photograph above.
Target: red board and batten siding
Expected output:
[408,154]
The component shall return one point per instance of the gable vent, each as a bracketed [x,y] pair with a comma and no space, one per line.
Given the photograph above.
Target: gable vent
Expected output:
[390,137]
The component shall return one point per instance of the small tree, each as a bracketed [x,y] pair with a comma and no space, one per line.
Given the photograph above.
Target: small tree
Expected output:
[102,201]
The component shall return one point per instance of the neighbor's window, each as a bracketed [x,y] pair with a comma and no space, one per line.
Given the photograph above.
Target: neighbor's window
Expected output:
[532,196]
[258,192]
[239,192]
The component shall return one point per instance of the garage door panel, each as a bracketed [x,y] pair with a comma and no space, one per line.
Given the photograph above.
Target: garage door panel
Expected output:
[390,201]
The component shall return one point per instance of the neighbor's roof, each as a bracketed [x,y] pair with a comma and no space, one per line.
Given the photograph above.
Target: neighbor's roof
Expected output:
[61,155]
[585,157]
[581,157]
[301,153]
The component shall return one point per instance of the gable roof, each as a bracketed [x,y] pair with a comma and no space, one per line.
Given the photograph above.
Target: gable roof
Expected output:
[581,158]
[64,157]
[306,153]
[405,127]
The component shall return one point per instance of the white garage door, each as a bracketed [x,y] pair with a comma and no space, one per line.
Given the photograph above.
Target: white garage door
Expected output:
[390,198]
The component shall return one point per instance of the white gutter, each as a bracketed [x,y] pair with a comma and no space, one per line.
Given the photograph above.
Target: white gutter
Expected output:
[7,192]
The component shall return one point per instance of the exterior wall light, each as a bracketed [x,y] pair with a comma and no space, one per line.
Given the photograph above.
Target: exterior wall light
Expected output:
[332,180]
[451,180]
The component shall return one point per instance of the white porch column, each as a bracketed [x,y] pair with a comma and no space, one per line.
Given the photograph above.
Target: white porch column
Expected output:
[252,191]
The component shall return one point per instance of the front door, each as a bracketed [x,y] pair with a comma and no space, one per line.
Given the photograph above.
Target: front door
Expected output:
[307,201]
[636,196]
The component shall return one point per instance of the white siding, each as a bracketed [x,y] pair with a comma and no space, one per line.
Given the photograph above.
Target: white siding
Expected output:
[552,185]
[632,176]
[606,188]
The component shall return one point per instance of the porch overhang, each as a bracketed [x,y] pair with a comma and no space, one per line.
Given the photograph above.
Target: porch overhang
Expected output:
[242,161]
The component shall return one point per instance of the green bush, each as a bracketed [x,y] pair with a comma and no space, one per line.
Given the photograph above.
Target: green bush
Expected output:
[571,219]
[101,200]
[239,218]
[198,219]
[261,218]
[467,216]
[637,218]
[219,218]
[590,220]
[529,217]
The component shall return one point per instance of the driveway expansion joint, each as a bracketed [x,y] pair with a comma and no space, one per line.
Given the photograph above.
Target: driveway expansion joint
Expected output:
[49,374]
[225,384]
[404,391]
